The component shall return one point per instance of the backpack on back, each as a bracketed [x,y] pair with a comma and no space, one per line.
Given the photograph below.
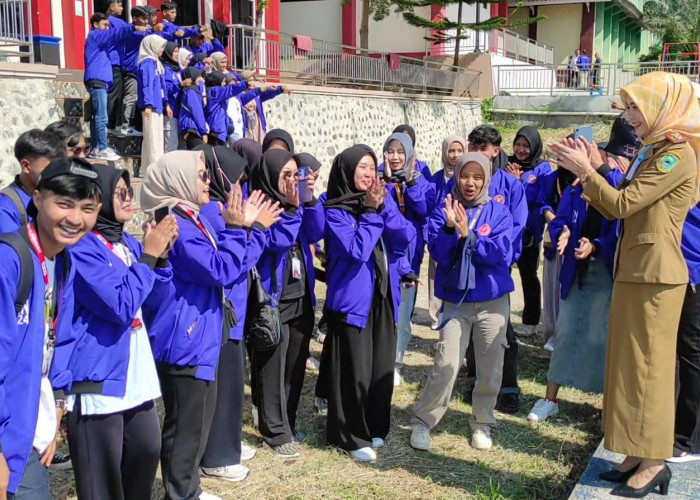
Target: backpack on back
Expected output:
[11,193]
[26,267]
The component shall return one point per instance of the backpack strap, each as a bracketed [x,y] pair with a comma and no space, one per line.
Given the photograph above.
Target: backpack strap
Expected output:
[26,267]
[11,193]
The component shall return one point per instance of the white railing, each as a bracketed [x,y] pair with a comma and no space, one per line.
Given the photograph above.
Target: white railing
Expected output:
[280,55]
[559,79]
[16,31]
[504,43]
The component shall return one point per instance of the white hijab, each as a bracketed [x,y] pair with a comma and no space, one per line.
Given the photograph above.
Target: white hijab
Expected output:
[185,54]
[150,48]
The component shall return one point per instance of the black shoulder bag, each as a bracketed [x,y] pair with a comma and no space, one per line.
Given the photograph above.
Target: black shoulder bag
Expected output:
[264,327]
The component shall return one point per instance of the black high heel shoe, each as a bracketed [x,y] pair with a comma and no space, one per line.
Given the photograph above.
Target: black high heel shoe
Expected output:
[617,476]
[662,480]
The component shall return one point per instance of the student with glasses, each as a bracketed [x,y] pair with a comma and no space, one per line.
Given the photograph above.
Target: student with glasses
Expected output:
[72,135]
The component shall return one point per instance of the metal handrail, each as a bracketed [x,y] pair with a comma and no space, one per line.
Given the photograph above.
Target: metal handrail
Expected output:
[16,40]
[560,79]
[505,43]
[276,55]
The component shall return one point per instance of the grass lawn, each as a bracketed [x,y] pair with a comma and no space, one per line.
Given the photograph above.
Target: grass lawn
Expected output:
[527,461]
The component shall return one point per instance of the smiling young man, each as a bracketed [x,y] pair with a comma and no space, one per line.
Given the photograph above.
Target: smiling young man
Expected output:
[65,205]
[34,150]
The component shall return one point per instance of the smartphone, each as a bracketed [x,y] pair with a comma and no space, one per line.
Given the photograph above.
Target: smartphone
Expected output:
[585,132]
[305,194]
[161,214]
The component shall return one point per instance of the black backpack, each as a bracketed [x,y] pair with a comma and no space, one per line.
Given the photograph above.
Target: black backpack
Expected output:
[26,267]
[11,193]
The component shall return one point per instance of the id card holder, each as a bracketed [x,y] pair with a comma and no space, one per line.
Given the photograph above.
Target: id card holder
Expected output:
[296,267]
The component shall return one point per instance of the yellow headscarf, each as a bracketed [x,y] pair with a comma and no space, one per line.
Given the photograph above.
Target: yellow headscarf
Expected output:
[669,104]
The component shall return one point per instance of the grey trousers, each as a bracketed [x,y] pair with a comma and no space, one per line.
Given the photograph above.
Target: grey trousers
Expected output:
[131,95]
[551,289]
[489,320]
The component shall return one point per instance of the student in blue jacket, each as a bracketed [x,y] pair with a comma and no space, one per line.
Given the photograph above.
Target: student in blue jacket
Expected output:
[413,195]
[453,147]
[225,449]
[189,328]
[529,167]
[114,11]
[192,123]
[421,166]
[218,94]
[33,377]
[253,112]
[72,136]
[278,139]
[366,238]
[172,31]
[34,149]
[173,91]
[470,239]
[153,101]
[98,79]
[587,241]
[505,189]
[113,428]
[287,273]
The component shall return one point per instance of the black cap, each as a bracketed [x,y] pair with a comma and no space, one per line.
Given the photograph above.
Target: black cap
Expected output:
[307,160]
[67,166]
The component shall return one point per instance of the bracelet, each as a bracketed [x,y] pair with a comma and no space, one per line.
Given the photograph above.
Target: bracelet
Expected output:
[586,175]
[61,404]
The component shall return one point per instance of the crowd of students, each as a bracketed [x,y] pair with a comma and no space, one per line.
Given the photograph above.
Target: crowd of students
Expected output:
[143,81]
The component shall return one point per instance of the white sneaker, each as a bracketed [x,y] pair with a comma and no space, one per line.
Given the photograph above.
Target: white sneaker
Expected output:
[525,330]
[254,411]
[683,458]
[481,438]
[231,473]
[208,496]
[313,364]
[104,154]
[377,443]
[550,345]
[542,410]
[322,406]
[247,452]
[420,437]
[397,377]
[364,455]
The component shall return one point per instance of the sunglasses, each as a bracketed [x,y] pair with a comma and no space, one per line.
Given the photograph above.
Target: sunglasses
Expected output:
[124,193]
[85,150]
[204,176]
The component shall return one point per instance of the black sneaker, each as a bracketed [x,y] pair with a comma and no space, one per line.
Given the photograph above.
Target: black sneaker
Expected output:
[286,450]
[508,403]
[61,461]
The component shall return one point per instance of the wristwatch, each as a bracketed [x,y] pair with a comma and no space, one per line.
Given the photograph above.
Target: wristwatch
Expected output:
[61,404]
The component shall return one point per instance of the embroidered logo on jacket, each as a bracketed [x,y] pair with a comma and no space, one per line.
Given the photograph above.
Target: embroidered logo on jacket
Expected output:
[499,198]
[484,230]
[666,164]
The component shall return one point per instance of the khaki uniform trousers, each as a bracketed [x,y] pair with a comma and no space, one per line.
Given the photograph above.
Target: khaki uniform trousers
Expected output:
[489,320]
[153,143]
[638,407]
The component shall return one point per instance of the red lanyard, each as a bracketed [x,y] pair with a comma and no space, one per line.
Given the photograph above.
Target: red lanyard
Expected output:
[199,224]
[136,322]
[36,245]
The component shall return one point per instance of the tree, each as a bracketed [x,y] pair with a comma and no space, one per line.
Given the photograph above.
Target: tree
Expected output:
[441,29]
[674,20]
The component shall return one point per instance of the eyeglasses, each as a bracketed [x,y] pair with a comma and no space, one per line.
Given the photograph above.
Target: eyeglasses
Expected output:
[81,152]
[124,193]
[204,176]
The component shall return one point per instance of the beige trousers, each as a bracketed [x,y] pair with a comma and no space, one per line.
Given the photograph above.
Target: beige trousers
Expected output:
[489,320]
[153,143]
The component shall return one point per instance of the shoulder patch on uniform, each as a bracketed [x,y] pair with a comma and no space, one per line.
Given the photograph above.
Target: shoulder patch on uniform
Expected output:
[666,164]
[499,198]
[484,230]
[676,138]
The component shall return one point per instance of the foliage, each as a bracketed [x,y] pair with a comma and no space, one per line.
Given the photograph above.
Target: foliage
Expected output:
[486,107]
[675,20]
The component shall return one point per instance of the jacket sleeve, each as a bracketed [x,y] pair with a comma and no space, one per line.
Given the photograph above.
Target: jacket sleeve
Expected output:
[313,221]
[545,194]
[399,232]
[225,93]
[105,290]
[495,247]
[562,217]
[189,32]
[196,108]
[9,335]
[172,83]
[255,246]
[216,46]
[246,97]
[147,71]
[650,185]
[282,235]
[356,238]
[270,94]
[441,243]
[607,241]
[519,211]
[112,36]
[418,200]
[195,259]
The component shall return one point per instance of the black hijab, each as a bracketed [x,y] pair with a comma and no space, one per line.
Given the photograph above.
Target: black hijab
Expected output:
[107,179]
[406,129]
[167,58]
[532,136]
[500,162]
[307,160]
[191,73]
[221,159]
[278,133]
[341,192]
[214,79]
[266,175]
[251,151]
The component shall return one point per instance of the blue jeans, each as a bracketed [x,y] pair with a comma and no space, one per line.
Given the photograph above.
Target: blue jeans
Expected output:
[35,481]
[403,330]
[98,124]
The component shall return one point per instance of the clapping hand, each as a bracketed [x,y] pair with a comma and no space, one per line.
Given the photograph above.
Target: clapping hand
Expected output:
[269,214]
[375,193]
[291,193]
[157,237]
[252,206]
[514,170]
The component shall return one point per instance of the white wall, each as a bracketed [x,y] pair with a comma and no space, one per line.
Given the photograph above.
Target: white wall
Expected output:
[468,13]
[393,34]
[321,19]
[561,30]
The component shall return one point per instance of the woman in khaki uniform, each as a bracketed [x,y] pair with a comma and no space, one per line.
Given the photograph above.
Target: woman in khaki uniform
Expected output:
[650,273]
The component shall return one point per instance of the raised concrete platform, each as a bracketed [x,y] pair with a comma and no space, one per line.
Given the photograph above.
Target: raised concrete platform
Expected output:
[685,484]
